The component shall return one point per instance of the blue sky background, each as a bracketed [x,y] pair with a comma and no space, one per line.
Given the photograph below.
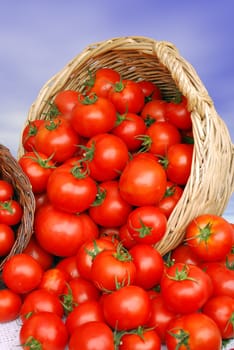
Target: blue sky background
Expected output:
[38,38]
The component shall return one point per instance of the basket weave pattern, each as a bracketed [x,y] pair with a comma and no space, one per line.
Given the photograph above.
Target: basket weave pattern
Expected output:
[211,182]
[11,172]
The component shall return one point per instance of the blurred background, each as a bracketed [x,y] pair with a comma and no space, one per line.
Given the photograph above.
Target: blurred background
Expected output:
[38,38]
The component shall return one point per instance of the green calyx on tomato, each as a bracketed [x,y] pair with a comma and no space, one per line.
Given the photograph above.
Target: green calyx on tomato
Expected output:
[100,197]
[44,163]
[146,143]
[6,205]
[68,301]
[33,343]
[119,86]
[52,125]
[89,99]
[182,275]
[182,337]
[122,254]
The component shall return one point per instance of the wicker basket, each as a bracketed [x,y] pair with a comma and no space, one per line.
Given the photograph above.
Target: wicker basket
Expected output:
[11,172]
[211,182]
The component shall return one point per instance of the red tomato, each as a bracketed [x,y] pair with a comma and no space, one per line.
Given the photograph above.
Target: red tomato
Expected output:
[160,316]
[11,212]
[7,239]
[178,114]
[56,138]
[34,249]
[10,304]
[150,90]
[21,273]
[126,308]
[69,267]
[147,224]
[141,340]
[143,181]
[61,233]
[106,155]
[125,237]
[154,111]
[221,310]
[101,81]
[65,101]
[113,268]
[149,265]
[6,190]
[209,237]
[29,133]
[87,252]
[38,167]
[159,137]
[88,311]
[44,329]
[170,199]
[40,300]
[128,127]
[54,281]
[184,254]
[127,96]
[94,115]
[185,288]
[71,189]
[92,335]
[78,290]
[178,163]
[195,331]
[222,278]
[110,209]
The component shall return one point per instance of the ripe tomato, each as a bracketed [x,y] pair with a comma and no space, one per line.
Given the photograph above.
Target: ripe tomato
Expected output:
[45,330]
[150,90]
[94,115]
[159,137]
[149,265]
[195,331]
[101,81]
[69,267]
[11,212]
[178,163]
[142,339]
[160,316]
[221,310]
[143,181]
[38,167]
[29,133]
[147,224]
[71,189]
[125,237]
[113,268]
[128,127]
[92,335]
[65,101]
[6,190]
[87,253]
[54,281]
[170,199]
[154,111]
[126,308]
[77,291]
[88,311]
[106,156]
[110,209]
[34,249]
[21,273]
[7,239]
[10,304]
[185,288]
[178,114]
[61,233]
[40,300]
[222,277]
[127,96]
[56,138]
[184,254]
[209,237]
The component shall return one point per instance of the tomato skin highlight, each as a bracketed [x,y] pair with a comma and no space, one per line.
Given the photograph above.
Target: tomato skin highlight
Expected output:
[10,305]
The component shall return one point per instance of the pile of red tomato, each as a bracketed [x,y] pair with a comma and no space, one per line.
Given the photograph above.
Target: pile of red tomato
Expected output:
[11,213]
[107,167]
